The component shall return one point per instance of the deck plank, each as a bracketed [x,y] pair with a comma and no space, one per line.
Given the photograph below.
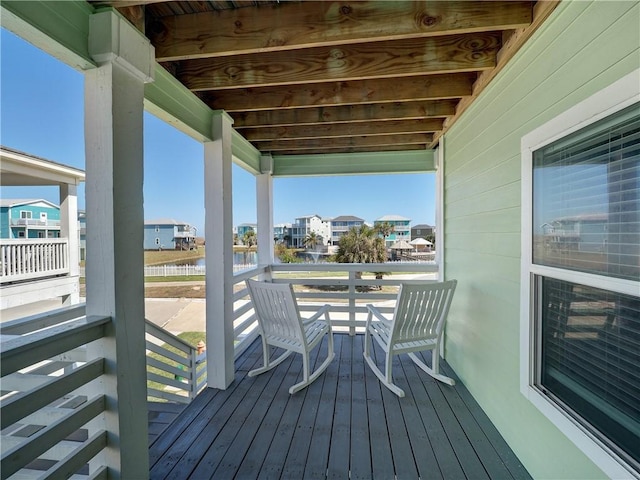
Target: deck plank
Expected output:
[360,451]
[196,426]
[297,455]
[380,446]
[424,456]
[344,425]
[447,461]
[283,377]
[341,428]
[318,456]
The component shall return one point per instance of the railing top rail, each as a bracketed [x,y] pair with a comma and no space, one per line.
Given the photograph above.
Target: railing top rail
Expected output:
[26,350]
[33,241]
[420,267]
[39,321]
[153,329]
[245,274]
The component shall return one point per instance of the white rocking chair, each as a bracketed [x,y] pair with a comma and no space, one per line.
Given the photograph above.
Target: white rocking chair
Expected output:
[281,326]
[417,325]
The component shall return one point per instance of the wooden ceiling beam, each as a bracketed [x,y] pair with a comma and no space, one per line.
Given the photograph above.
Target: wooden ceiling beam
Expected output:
[339,130]
[379,148]
[419,88]
[353,142]
[294,25]
[344,114]
[516,40]
[460,53]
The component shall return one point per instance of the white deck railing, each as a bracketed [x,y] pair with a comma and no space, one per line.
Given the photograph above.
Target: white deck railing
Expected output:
[29,259]
[177,371]
[346,287]
[46,395]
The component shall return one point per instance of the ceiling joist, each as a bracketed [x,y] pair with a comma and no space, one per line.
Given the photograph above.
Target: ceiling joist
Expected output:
[336,76]
[298,25]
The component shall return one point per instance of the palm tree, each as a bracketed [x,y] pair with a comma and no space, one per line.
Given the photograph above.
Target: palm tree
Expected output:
[311,240]
[361,245]
[385,229]
[249,240]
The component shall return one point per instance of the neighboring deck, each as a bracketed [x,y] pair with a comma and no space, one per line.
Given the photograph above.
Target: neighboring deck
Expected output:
[345,425]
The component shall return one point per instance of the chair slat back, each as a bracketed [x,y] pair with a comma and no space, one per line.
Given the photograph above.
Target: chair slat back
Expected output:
[277,311]
[421,310]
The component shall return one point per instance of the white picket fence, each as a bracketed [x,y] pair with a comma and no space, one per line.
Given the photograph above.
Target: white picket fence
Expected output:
[184,270]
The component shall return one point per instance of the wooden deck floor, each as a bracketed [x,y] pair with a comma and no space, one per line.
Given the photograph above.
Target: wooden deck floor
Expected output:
[345,425]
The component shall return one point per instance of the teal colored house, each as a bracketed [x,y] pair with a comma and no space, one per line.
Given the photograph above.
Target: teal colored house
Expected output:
[542,108]
[401,228]
[29,218]
[243,228]
[168,234]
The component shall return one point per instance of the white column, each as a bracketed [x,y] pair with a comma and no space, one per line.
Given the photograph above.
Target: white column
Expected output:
[219,253]
[439,158]
[114,95]
[69,229]
[264,196]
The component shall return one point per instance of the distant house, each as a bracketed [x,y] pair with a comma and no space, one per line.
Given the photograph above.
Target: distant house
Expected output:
[303,226]
[401,228]
[282,233]
[168,234]
[584,233]
[243,228]
[29,218]
[341,225]
[422,230]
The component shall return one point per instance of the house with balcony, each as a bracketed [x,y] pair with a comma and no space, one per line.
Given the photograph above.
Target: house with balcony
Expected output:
[29,218]
[401,228]
[303,226]
[39,240]
[525,111]
[341,225]
[282,233]
[243,228]
[169,234]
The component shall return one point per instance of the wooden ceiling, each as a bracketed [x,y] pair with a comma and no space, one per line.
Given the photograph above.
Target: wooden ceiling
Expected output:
[306,77]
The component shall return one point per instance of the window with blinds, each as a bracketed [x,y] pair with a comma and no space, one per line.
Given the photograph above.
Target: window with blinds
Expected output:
[586,219]
[586,189]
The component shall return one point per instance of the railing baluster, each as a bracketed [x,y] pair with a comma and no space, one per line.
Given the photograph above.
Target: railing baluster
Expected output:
[26,259]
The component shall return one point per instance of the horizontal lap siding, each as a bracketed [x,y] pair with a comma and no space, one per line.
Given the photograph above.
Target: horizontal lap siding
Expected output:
[582,48]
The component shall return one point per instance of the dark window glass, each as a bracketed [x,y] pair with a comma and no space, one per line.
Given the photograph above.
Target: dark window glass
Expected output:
[589,341]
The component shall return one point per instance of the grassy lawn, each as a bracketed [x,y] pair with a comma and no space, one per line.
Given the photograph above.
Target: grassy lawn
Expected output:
[160,257]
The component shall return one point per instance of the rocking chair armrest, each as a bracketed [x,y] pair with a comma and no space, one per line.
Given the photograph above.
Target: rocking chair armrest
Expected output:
[379,317]
[324,309]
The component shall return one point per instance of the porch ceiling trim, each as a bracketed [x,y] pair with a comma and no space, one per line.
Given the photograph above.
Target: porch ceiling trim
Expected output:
[20,169]
[58,28]
[414,161]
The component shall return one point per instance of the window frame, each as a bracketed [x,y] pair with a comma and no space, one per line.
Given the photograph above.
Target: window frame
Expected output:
[608,101]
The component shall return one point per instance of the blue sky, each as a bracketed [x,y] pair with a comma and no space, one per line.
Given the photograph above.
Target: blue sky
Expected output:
[42,114]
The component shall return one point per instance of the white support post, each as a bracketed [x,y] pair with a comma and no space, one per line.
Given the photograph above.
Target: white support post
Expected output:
[439,159]
[114,95]
[264,195]
[219,257]
[69,230]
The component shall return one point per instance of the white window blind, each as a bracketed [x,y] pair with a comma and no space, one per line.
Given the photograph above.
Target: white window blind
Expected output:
[586,188]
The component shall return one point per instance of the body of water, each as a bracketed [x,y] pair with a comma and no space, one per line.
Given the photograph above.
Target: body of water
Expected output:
[239,258]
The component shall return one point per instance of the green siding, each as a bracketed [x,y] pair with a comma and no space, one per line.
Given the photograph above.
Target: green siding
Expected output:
[582,48]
